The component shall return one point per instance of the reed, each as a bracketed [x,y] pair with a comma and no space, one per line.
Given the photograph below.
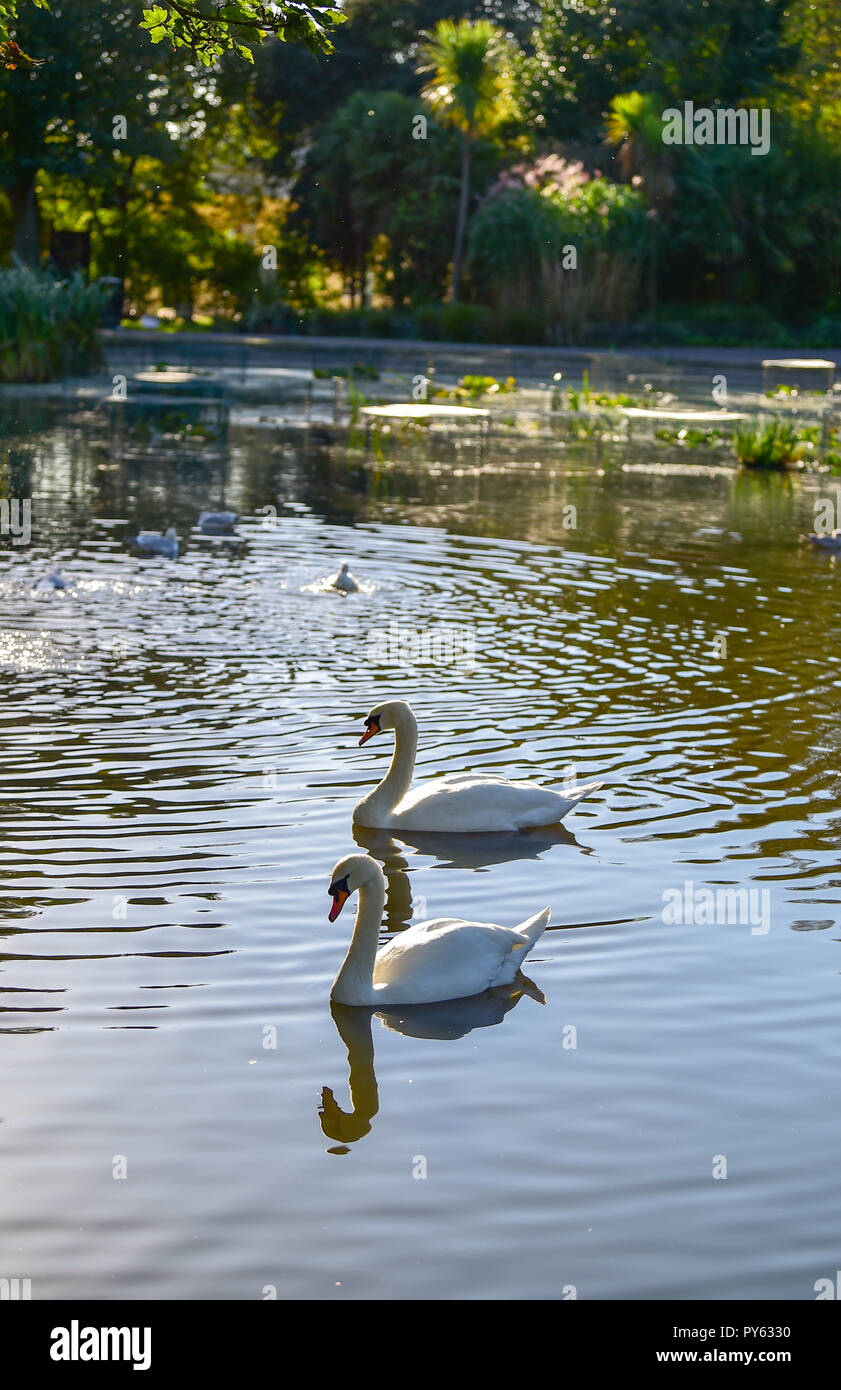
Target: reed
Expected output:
[48,327]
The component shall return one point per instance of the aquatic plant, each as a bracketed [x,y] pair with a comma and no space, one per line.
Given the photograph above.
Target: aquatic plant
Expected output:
[584,398]
[689,437]
[770,444]
[356,399]
[472,387]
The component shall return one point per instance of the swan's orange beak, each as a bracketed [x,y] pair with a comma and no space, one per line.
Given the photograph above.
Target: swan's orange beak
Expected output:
[372,726]
[340,897]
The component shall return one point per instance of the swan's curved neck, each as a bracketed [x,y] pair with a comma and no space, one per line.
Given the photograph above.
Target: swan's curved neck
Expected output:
[397,781]
[354,983]
[354,1026]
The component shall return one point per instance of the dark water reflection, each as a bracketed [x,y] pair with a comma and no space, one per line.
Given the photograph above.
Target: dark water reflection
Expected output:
[181,761]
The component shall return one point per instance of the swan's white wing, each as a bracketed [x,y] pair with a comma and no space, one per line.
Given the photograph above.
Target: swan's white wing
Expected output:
[447,959]
[469,801]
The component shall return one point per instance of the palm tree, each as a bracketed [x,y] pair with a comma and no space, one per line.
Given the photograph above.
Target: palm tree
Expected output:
[634,127]
[469,87]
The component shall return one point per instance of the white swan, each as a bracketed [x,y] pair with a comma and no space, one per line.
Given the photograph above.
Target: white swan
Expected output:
[431,961]
[54,580]
[166,544]
[344,580]
[466,802]
[218,523]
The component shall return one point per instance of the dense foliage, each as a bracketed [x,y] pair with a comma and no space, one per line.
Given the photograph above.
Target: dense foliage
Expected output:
[442,151]
[569,252]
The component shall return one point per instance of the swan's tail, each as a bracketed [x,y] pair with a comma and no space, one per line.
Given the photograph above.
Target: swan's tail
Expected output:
[534,927]
[577,793]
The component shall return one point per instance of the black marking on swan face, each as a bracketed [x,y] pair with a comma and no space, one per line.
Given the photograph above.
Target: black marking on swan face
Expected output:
[372,726]
[339,891]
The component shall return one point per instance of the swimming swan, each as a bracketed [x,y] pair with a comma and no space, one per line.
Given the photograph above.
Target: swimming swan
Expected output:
[218,523]
[344,580]
[54,580]
[465,802]
[166,544]
[446,958]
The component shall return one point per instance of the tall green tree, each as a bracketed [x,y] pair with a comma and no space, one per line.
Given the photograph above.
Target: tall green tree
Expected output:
[106,105]
[469,86]
[374,51]
[813,87]
[373,196]
[581,56]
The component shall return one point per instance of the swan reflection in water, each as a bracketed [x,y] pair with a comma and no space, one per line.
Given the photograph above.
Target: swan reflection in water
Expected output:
[464,851]
[450,1019]
[455,852]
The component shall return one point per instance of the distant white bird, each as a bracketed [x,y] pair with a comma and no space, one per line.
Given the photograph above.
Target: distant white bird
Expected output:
[157,544]
[344,580]
[54,580]
[218,523]
[832,541]
[446,958]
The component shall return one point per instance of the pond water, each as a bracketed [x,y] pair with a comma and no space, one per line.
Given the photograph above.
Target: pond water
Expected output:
[652,1113]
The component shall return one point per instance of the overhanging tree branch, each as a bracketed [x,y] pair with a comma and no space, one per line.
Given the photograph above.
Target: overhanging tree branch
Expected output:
[209,28]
